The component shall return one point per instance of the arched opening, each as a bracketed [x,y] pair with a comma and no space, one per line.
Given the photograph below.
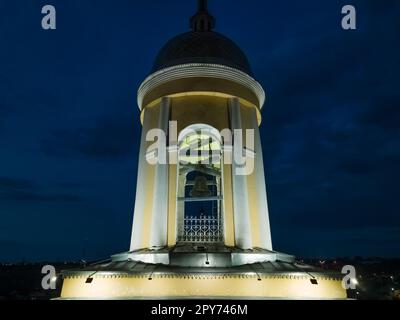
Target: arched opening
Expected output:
[199,188]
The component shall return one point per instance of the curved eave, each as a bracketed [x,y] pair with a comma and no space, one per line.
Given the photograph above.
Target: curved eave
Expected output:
[196,70]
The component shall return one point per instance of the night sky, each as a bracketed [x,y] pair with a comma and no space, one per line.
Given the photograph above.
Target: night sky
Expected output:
[70,130]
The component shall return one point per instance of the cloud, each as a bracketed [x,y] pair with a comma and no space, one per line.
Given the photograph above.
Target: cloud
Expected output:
[26,196]
[330,131]
[383,113]
[67,184]
[110,137]
[14,183]
[23,190]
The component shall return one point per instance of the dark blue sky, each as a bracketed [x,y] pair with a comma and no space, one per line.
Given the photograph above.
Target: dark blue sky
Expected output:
[69,122]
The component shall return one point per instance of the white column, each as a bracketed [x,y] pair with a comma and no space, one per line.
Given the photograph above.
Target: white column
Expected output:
[180,209]
[263,218]
[159,222]
[138,217]
[239,186]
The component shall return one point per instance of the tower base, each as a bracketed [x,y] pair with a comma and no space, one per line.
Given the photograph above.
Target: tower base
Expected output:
[270,279]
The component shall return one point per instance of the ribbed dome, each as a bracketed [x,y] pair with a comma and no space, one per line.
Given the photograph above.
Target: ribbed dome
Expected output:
[202,47]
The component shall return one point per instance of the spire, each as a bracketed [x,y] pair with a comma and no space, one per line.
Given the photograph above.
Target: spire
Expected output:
[202,5]
[202,20]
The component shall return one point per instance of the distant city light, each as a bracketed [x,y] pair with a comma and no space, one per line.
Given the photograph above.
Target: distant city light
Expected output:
[354,281]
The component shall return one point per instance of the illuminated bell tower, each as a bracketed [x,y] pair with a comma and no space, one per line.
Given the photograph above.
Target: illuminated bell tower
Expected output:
[201,225]
[202,81]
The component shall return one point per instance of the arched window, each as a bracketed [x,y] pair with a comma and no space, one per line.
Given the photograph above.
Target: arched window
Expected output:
[199,196]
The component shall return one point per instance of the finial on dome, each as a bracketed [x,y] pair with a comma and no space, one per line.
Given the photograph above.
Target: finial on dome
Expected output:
[202,5]
[202,20]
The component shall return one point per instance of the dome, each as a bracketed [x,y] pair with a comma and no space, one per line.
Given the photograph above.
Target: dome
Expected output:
[201,47]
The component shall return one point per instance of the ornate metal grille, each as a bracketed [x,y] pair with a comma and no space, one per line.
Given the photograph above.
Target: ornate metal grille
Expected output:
[201,229]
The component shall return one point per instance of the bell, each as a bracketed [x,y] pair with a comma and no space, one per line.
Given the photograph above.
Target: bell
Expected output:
[200,188]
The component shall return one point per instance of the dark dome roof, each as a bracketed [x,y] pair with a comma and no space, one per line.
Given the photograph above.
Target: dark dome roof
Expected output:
[201,47]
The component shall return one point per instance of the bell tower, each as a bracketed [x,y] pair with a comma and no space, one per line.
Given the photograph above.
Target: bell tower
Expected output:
[201,223]
[201,83]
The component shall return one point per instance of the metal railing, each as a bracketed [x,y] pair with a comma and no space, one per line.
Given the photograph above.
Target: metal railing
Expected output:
[201,229]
